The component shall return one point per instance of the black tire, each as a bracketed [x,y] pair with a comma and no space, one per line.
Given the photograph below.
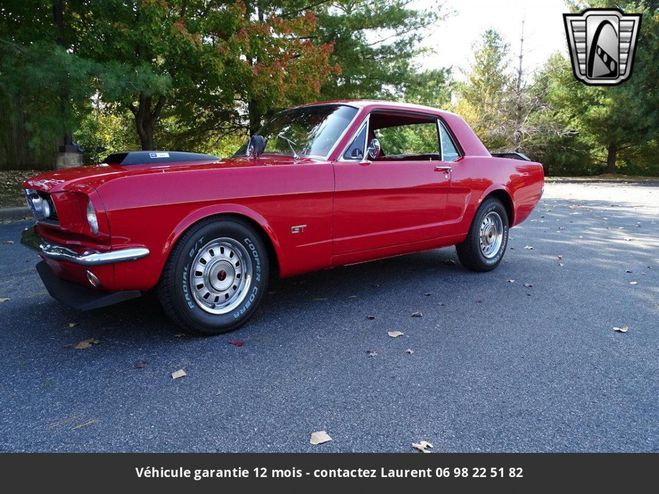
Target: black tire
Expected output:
[182,302]
[470,253]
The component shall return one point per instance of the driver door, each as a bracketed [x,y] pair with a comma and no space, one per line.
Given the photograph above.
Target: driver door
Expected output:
[396,198]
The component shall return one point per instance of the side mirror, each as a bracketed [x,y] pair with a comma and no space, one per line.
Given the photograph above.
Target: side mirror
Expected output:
[373,149]
[255,146]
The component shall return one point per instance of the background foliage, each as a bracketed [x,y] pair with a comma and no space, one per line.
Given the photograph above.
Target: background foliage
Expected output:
[201,74]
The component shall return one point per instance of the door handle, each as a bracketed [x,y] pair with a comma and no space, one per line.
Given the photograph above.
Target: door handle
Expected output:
[443,168]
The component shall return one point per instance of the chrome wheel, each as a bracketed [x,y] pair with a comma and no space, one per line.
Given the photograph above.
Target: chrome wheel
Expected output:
[491,235]
[221,275]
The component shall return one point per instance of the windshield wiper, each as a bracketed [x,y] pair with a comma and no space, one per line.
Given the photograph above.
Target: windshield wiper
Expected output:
[291,144]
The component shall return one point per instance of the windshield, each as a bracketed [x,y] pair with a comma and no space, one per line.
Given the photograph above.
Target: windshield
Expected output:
[310,131]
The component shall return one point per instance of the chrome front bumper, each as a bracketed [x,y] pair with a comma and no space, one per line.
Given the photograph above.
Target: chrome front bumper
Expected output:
[30,239]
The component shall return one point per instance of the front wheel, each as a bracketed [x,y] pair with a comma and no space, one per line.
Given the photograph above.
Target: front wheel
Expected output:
[215,277]
[486,242]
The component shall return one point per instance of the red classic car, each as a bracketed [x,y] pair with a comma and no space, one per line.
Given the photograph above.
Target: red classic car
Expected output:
[321,185]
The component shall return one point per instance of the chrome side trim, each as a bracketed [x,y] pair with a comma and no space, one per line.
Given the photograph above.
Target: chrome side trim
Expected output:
[30,239]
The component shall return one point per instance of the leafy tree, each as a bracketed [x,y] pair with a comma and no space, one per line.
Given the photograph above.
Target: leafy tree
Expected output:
[374,43]
[554,136]
[284,61]
[429,87]
[198,61]
[41,81]
[487,95]
[619,119]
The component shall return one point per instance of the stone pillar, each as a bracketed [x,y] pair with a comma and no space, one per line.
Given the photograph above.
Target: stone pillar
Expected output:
[69,156]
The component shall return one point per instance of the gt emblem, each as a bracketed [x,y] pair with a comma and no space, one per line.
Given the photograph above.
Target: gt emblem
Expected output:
[602,44]
[298,229]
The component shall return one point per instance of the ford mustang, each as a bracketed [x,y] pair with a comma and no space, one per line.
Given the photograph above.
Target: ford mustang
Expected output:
[319,186]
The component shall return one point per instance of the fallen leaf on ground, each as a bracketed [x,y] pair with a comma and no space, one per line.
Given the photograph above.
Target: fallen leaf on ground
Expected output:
[561,264]
[73,324]
[180,335]
[450,262]
[140,364]
[511,281]
[84,344]
[319,437]
[423,446]
[4,299]
[8,242]
[560,258]
[395,334]
[417,314]
[409,351]
[628,271]
[84,424]
[633,282]
[528,285]
[528,247]
[352,296]
[624,329]
[178,374]
[628,239]
[370,318]
[371,353]
[427,294]
[237,343]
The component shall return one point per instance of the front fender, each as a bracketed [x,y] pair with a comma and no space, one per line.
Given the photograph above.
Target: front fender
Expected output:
[218,209]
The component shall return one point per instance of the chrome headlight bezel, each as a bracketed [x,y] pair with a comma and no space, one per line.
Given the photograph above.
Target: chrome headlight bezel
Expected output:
[42,205]
[35,203]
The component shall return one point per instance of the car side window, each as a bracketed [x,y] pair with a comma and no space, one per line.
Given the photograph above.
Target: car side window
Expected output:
[405,136]
[355,151]
[449,149]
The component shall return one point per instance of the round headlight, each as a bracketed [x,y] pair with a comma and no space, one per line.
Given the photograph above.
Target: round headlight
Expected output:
[45,207]
[91,217]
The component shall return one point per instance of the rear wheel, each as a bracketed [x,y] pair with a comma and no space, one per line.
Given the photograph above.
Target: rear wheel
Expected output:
[215,277]
[487,240]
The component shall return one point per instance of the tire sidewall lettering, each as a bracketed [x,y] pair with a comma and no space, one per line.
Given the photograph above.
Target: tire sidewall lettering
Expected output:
[255,252]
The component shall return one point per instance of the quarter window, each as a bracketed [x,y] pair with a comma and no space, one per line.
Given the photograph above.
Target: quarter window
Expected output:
[449,149]
[356,149]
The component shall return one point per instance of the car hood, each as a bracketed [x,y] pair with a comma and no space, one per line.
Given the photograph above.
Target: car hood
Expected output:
[84,178]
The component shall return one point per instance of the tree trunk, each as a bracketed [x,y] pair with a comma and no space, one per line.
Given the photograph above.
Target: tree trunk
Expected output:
[145,133]
[146,119]
[255,116]
[60,27]
[611,158]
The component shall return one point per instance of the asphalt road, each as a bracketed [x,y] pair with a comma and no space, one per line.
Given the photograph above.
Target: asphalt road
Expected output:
[496,365]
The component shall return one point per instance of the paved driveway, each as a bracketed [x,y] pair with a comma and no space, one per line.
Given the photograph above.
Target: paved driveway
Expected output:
[496,365]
